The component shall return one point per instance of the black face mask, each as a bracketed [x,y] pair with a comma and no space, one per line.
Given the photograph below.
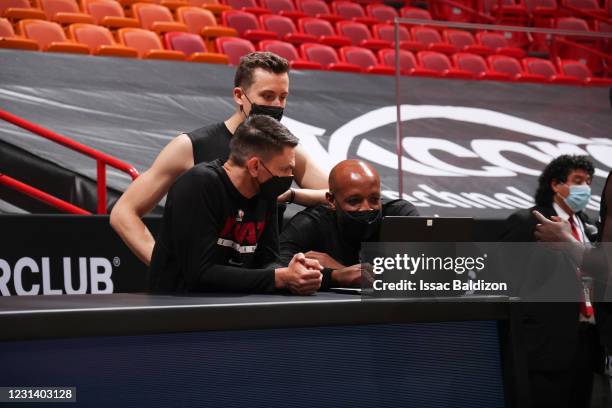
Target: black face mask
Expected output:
[358,226]
[274,186]
[275,112]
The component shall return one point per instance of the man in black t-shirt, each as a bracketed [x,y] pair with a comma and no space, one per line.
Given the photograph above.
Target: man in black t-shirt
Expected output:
[219,232]
[333,234]
[261,86]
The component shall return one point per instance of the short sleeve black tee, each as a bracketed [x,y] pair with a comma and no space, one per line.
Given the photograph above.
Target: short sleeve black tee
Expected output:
[213,238]
[210,143]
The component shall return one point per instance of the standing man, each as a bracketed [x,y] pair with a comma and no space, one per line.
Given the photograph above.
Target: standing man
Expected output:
[219,231]
[333,234]
[261,86]
[597,261]
[560,338]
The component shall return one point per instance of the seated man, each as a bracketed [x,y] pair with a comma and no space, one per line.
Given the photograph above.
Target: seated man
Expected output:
[220,227]
[333,235]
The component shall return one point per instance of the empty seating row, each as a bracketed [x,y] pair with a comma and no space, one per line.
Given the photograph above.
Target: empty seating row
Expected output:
[340,10]
[538,13]
[343,30]
[86,38]
[426,63]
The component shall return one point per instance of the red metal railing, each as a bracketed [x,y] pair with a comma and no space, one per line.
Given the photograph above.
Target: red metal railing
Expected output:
[102,160]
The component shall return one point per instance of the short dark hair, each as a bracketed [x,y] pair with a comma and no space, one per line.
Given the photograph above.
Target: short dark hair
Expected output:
[267,61]
[262,136]
[558,170]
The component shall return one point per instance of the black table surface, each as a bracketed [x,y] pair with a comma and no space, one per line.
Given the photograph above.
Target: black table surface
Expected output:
[39,317]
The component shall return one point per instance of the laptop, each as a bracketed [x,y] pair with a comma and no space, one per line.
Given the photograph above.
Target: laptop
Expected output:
[421,229]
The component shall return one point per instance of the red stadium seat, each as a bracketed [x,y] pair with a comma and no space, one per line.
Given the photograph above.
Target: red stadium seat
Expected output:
[508,65]
[193,47]
[477,66]
[542,12]
[202,21]
[387,32]
[234,48]
[170,4]
[288,52]
[570,51]
[317,9]
[284,8]
[539,66]
[381,12]
[518,40]
[156,18]
[49,36]
[285,29]
[408,63]
[572,23]
[439,62]
[15,10]
[247,25]
[430,38]
[498,43]
[449,12]
[580,71]
[349,10]
[211,5]
[511,11]
[464,41]
[416,13]
[147,43]
[324,31]
[108,13]
[365,58]
[590,6]
[327,57]
[99,40]
[250,6]
[8,39]
[360,35]
[64,11]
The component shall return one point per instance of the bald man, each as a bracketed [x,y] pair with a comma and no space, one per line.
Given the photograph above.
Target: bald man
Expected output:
[333,234]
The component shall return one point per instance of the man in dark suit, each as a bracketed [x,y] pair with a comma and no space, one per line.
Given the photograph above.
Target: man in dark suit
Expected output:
[560,338]
[597,261]
[603,309]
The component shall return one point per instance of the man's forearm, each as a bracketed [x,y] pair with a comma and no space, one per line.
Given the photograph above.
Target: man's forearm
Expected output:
[135,235]
[309,198]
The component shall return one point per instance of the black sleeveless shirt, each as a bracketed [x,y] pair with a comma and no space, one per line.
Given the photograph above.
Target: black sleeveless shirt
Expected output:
[210,143]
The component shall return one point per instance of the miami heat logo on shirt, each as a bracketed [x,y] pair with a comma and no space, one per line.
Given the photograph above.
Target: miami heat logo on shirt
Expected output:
[242,236]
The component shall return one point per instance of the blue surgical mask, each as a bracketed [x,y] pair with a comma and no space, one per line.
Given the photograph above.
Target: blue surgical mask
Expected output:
[578,197]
